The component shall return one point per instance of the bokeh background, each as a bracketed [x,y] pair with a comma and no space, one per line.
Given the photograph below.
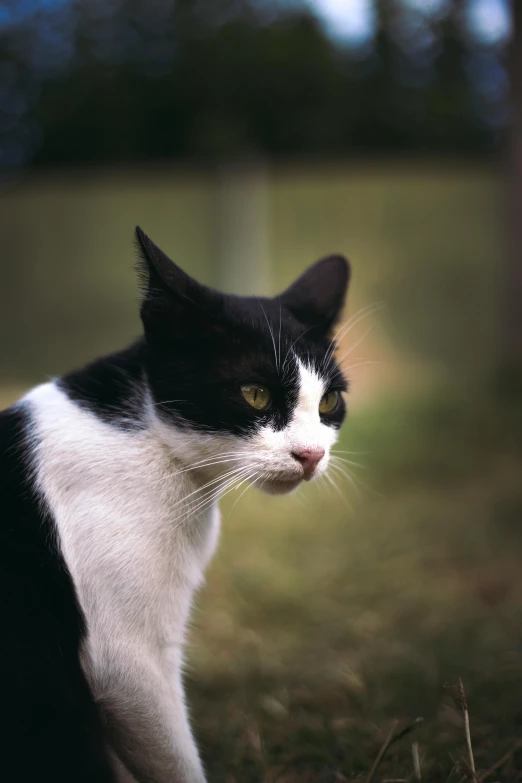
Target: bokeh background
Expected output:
[248,139]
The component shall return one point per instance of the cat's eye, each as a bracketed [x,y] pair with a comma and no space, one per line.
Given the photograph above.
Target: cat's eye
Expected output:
[329,402]
[258,397]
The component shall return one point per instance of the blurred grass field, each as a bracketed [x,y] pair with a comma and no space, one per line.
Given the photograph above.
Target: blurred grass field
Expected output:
[425,239]
[321,623]
[330,614]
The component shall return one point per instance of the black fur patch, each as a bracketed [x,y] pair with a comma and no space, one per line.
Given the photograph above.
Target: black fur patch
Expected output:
[50,727]
[112,387]
[196,380]
[202,345]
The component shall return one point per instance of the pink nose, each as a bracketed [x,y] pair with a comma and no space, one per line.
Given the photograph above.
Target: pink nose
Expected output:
[309,459]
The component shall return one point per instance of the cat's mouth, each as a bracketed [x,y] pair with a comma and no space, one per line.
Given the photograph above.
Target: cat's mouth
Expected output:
[277,485]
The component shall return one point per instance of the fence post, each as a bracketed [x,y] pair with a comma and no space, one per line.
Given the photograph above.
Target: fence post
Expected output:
[243,229]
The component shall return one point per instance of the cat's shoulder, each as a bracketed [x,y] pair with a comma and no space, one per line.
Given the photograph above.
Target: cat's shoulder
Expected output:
[15,426]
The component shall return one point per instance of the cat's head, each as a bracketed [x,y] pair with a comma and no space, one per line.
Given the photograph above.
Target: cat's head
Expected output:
[244,389]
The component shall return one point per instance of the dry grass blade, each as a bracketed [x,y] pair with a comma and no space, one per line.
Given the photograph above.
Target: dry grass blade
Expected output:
[384,747]
[408,728]
[416,760]
[500,763]
[390,740]
[464,704]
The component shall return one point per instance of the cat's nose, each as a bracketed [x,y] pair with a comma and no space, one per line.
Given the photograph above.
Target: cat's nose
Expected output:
[309,459]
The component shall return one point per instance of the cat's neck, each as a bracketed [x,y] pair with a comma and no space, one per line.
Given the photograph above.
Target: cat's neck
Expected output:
[113,387]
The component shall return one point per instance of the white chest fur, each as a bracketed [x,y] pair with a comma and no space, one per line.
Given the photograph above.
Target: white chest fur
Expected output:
[115,497]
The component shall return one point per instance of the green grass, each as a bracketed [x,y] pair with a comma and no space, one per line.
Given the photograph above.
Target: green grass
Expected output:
[320,624]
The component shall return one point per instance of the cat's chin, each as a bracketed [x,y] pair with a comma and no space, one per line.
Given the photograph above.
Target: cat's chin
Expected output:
[279,486]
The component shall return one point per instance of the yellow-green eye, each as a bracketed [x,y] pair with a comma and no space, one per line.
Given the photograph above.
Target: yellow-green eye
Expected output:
[329,402]
[258,397]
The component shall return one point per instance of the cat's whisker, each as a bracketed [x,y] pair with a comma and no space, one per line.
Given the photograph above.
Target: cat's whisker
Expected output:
[208,484]
[343,470]
[358,342]
[359,481]
[344,370]
[361,363]
[333,483]
[279,338]
[215,458]
[196,466]
[249,486]
[170,476]
[165,402]
[341,494]
[345,473]
[343,451]
[210,497]
[214,495]
[364,312]
[360,315]
[294,342]
[271,333]
[334,456]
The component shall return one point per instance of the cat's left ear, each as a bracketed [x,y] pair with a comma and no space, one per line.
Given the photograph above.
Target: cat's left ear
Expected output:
[172,300]
[317,297]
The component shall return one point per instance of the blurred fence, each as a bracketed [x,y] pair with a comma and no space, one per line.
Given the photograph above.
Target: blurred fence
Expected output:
[424,239]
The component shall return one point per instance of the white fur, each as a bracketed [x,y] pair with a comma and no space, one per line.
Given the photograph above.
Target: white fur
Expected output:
[125,504]
[304,431]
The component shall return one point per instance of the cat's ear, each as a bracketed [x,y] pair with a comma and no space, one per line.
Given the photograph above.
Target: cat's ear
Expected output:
[317,297]
[171,297]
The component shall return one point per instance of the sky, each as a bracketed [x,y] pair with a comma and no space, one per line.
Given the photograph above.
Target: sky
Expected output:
[353,20]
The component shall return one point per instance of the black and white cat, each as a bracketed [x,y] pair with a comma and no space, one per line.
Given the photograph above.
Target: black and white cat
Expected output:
[109,482]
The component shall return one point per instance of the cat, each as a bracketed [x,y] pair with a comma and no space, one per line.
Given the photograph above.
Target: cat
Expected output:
[109,482]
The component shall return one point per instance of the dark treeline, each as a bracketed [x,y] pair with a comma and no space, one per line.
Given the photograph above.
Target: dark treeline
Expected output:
[120,80]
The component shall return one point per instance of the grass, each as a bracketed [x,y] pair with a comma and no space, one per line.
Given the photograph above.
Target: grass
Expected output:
[322,627]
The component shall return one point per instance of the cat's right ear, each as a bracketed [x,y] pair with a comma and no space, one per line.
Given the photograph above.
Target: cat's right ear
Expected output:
[171,298]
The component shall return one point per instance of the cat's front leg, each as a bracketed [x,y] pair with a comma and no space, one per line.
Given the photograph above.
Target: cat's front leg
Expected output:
[142,697]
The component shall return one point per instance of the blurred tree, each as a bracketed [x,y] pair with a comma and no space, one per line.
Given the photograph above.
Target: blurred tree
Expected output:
[119,80]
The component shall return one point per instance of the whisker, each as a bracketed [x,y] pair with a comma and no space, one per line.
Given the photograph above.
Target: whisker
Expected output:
[333,483]
[339,471]
[361,363]
[249,486]
[208,484]
[279,338]
[196,466]
[216,495]
[166,402]
[354,346]
[271,332]
[209,498]
[343,370]
[295,341]
[364,312]
[356,482]
[348,461]
[342,451]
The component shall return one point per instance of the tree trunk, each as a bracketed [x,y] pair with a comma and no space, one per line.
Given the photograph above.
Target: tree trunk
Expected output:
[513,319]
